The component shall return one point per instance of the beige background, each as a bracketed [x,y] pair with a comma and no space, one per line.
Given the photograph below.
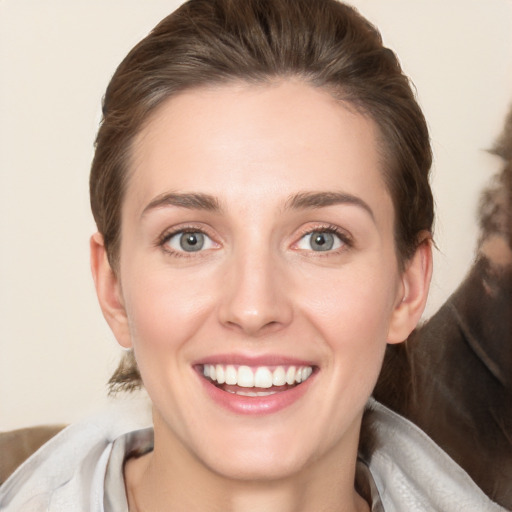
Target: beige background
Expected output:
[56,57]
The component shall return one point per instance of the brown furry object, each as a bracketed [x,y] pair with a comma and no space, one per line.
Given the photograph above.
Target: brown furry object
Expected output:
[17,445]
[453,377]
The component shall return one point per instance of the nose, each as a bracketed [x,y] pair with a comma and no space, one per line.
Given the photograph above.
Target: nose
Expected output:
[255,297]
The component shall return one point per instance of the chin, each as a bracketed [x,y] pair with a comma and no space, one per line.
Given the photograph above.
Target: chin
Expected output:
[256,466]
[256,455]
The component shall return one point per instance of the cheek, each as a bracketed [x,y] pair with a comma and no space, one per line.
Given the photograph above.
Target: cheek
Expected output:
[165,308]
[353,306]
[351,312]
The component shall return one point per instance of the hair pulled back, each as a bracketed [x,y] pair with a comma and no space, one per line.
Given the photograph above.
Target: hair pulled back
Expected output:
[323,42]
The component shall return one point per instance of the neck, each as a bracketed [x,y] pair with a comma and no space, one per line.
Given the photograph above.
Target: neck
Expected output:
[174,480]
[147,491]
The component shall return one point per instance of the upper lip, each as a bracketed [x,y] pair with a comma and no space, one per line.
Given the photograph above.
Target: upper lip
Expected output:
[254,360]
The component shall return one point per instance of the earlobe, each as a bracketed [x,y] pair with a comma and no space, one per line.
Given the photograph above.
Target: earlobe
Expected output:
[413,293]
[108,290]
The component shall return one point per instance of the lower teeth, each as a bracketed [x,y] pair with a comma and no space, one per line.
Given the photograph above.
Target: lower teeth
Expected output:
[252,393]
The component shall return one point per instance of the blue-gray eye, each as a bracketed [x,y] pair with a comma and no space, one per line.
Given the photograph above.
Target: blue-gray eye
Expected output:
[319,241]
[189,241]
[192,242]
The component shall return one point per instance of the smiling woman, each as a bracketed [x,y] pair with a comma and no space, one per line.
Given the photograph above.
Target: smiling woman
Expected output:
[260,187]
[259,297]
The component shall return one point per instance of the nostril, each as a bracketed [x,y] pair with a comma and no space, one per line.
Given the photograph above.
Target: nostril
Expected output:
[254,300]
[254,326]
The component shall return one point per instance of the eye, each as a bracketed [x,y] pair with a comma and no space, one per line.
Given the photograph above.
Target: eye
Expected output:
[189,241]
[320,241]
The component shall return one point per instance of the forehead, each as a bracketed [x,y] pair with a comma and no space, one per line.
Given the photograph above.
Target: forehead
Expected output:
[244,136]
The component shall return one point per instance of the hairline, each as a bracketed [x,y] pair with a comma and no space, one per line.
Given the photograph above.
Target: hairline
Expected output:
[262,79]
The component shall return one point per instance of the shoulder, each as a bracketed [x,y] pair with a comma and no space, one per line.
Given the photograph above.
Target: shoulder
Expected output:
[68,472]
[411,472]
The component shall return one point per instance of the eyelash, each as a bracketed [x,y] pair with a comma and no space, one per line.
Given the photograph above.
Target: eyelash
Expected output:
[343,236]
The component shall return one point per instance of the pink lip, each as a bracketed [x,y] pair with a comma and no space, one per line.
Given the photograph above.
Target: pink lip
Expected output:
[263,360]
[257,405]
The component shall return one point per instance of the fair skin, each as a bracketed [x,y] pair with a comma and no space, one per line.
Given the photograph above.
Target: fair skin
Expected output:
[282,186]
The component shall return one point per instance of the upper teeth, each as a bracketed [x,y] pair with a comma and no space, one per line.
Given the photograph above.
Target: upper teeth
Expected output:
[259,377]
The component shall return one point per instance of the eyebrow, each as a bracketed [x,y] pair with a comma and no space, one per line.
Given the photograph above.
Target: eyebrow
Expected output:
[300,201]
[313,200]
[191,201]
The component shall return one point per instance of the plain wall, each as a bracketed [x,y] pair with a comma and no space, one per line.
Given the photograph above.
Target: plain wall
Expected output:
[56,57]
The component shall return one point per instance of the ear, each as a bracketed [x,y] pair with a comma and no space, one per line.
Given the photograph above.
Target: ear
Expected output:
[108,290]
[413,293]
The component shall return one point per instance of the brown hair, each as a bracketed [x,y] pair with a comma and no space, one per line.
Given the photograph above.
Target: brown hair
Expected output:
[323,42]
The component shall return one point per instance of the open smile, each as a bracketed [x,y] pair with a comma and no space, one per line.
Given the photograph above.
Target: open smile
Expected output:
[255,389]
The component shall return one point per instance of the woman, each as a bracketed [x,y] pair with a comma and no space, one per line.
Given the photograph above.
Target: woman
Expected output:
[260,187]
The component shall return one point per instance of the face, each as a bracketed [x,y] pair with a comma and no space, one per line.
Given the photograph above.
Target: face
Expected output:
[258,280]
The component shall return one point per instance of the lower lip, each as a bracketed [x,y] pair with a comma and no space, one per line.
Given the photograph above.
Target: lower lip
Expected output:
[256,405]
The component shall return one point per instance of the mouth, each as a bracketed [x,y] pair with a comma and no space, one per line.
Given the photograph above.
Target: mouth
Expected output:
[255,381]
[255,389]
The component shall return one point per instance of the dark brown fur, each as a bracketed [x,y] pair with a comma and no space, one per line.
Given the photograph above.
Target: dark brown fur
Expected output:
[453,377]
